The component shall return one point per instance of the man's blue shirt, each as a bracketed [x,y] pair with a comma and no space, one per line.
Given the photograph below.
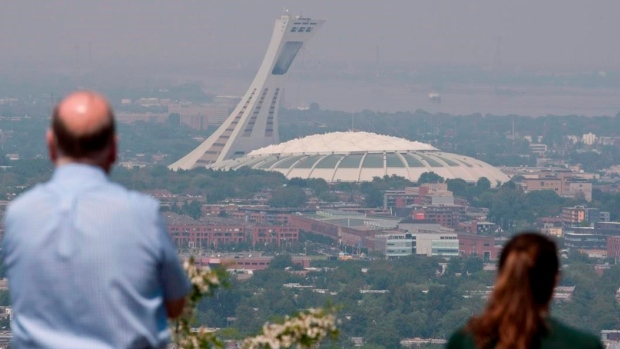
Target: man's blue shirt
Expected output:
[90,264]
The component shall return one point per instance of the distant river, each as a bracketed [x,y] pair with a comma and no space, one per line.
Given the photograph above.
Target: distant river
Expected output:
[455,99]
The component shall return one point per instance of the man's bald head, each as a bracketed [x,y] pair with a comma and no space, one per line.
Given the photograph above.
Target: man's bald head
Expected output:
[83,125]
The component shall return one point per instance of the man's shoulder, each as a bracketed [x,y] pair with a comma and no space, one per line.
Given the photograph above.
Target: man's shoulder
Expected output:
[141,199]
[568,334]
[27,198]
[136,201]
[133,199]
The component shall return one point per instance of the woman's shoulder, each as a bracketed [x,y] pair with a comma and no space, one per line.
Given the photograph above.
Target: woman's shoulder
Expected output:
[563,336]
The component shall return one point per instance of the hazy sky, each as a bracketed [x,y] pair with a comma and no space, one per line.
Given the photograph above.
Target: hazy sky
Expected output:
[164,34]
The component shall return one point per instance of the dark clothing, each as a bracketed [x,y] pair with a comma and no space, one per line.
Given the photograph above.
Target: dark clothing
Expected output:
[559,336]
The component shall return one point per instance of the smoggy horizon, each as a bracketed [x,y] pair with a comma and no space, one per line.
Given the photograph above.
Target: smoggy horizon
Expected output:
[162,37]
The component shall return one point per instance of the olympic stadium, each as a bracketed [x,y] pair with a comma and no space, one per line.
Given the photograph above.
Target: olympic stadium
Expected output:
[250,135]
[360,156]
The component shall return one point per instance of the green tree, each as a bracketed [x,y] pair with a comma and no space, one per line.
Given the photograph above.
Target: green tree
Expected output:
[289,196]
[281,262]
[483,184]
[457,186]
[298,182]
[473,265]
[383,334]
[455,265]
[430,177]
[4,298]
[373,196]
[192,209]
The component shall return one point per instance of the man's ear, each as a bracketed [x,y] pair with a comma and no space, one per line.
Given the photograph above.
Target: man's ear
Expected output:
[52,147]
[112,154]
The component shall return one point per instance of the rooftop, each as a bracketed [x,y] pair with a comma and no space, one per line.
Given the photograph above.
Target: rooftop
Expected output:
[343,142]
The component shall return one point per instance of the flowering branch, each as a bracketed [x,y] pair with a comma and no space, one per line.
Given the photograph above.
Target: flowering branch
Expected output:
[305,330]
[204,283]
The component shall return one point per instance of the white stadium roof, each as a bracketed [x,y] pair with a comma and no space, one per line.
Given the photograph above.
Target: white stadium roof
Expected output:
[361,156]
[343,142]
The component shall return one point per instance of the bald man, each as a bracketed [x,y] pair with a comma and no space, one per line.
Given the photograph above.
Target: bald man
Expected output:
[90,264]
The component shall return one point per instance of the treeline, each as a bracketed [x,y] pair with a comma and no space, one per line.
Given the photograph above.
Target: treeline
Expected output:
[486,137]
[509,206]
[419,301]
[213,185]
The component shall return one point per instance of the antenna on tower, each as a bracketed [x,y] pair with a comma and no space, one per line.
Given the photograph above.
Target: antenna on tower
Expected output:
[497,60]
[378,59]
[513,134]
[90,55]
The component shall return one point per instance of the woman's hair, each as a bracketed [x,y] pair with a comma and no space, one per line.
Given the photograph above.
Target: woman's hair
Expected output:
[514,316]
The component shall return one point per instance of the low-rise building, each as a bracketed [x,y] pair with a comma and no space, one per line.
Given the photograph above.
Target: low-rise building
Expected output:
[395,244]
[248,261]
[561,181]
[437,244]
[610,337]
[347,228]
[613,246]
[585,239]
[214,231]
[578,188]
[543,183]
[572,216]
[476,227]
[538,148]
[445,215]
[477,246]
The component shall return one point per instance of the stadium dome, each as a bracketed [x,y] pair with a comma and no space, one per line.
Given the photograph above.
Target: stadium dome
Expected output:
[360,156]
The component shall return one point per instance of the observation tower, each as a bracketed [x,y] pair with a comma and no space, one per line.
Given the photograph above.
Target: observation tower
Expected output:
[253,124]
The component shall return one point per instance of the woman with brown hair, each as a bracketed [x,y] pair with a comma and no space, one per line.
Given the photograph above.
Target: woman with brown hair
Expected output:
[517,314]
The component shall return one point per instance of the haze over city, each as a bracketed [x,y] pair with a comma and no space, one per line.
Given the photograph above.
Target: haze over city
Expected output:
[165,36]
[403,50]
[380,157]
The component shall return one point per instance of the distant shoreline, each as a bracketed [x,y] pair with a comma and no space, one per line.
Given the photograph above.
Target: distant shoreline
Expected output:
[456,99]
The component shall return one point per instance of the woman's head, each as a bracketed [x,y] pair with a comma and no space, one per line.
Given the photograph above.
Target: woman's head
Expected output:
[534,255]
[527,273]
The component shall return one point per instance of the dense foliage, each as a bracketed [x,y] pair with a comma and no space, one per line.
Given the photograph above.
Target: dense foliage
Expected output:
[419,301]
[509,206]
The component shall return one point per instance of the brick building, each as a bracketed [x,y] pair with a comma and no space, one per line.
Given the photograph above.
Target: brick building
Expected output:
[215,231]
[445,215]
[613,246]
[573,215]
[357,231]
[477,245]
[280,235]
[314,226]
[253,215]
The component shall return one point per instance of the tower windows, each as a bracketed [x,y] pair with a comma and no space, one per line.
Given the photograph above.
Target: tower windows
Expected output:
[287,55]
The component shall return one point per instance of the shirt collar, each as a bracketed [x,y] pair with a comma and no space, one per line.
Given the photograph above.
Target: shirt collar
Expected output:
[79,173]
